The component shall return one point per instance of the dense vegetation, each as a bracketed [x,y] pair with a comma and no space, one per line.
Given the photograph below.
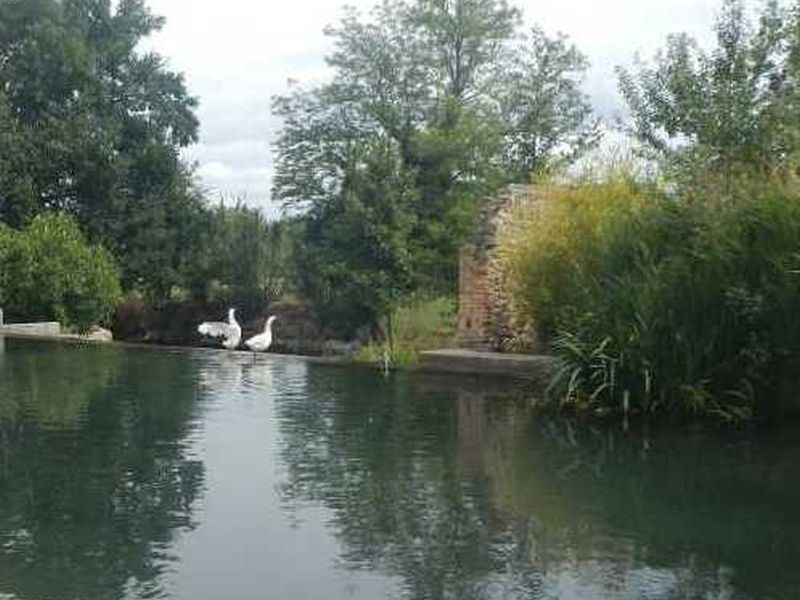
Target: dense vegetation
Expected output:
[724,111]
[92,128]
[431,107]
[681,294]
[49,272]
[670,292]
[657,302]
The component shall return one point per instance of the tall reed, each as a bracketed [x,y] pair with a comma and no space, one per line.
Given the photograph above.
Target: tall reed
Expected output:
[653,301]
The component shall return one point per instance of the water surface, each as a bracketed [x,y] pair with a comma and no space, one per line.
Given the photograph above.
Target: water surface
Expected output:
[139,473]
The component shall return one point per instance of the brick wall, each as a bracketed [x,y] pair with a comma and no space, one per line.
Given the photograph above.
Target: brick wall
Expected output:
[474,306]
[486,319]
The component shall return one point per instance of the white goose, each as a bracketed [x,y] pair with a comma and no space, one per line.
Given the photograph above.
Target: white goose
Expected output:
[262,341]
[231,332]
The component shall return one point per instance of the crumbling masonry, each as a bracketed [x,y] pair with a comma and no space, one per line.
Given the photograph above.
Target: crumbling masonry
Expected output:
[486,319]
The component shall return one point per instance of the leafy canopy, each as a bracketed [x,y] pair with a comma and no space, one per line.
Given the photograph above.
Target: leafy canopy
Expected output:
[457,103]
[92,127]
[730,109]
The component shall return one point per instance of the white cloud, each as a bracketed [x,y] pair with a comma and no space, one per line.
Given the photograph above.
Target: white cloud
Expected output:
[215,171]
[237,54]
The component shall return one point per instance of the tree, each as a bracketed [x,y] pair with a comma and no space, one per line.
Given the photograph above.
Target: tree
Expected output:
[425,76]
[730,109]
[464,39]
[354,259]
[249,258]
[96,128]
[548,119]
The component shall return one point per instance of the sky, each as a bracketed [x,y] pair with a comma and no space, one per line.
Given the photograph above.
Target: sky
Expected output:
[237,54]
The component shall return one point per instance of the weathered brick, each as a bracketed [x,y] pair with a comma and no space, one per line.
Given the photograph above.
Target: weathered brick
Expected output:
[486,319]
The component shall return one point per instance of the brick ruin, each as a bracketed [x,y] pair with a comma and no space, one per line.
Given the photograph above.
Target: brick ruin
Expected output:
[485,316]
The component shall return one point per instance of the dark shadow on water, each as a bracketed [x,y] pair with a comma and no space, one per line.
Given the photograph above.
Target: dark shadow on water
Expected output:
[94,476]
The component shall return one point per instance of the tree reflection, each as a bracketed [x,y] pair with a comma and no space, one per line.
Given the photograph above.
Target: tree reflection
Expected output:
[710,512]
[462,496]
[384,459]
[95,479]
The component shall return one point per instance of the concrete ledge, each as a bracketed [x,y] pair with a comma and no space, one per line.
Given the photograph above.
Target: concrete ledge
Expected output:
[521,366]
[45,329]
[524,367]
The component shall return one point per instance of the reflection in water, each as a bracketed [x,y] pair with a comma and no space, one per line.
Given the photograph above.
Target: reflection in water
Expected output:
[385,460]
[205,475]
[660,514]
[469,497]
[94,479]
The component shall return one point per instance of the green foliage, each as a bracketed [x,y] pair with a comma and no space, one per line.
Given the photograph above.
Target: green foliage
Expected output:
[376,353]
[547,119]
[418,323]
[249,258]
[730,110]
[429,322]
[91,126]
[464,40]
[353,258]
[48,271]
[457,171]
[549,250]
[462,107]
[653,303]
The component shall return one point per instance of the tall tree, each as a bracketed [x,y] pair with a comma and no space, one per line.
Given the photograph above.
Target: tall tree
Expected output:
[464,41]
[426,76]
[354,259]
[249,257]
[732,108]
[547,118]
[99,127]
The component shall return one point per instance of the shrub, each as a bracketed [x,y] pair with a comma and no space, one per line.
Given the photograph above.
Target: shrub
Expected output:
[49,271]
[683,303]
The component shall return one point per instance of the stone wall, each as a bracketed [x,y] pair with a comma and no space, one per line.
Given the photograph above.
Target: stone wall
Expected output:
[486,319]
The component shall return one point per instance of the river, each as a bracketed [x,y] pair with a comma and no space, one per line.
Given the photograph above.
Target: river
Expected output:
[148,473]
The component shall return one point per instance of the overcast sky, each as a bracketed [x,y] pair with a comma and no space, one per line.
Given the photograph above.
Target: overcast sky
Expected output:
[237,54]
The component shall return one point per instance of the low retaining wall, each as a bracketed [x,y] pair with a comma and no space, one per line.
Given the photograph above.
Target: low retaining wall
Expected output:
[45,329]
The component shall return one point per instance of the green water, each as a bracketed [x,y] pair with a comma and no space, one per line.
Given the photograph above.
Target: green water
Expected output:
[129,473]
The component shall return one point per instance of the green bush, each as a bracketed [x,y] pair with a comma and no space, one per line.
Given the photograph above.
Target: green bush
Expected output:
[48,271]
[681,303]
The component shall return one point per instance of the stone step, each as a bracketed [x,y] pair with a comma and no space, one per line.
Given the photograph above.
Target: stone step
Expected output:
[535,367]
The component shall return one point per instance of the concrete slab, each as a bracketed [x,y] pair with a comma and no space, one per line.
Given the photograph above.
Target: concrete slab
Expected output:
[44,329]
[535,367]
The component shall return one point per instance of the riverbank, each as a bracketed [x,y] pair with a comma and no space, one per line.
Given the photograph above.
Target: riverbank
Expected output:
[529,368]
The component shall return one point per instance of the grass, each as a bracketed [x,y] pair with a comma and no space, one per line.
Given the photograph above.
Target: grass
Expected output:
[421,323]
